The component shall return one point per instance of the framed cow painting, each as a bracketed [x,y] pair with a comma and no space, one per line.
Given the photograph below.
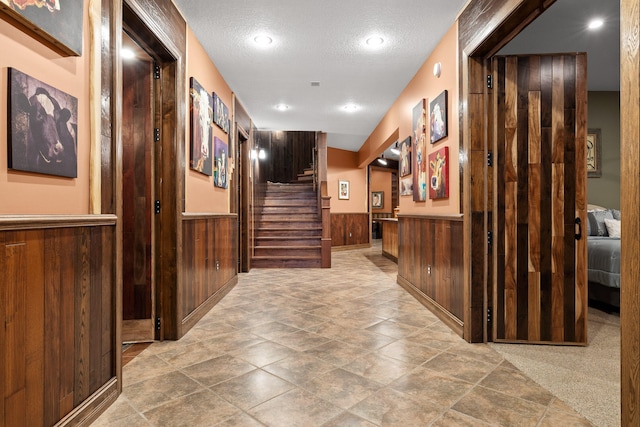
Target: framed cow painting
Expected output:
[439,174]
[42,128]
[56,23]
[220,113]
[221,163]
[201,110]
[438,117]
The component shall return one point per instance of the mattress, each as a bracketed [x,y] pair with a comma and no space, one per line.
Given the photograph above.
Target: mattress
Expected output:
[604,260]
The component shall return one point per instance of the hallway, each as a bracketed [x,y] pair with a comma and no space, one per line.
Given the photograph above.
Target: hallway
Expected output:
[344,346]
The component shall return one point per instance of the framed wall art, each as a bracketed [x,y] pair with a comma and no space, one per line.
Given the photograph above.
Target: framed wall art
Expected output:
[405,157]
[419,152]
[377,199]
[406,186]
[42,128]
[221,150]
[343,190]
[438,117]
[594,153]
[55,23]
[439,174]
[220,113]
[201,131]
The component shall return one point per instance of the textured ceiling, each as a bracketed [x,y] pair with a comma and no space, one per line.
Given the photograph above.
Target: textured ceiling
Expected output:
[323,41]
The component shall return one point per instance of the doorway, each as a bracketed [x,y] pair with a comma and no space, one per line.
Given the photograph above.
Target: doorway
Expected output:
[138,192]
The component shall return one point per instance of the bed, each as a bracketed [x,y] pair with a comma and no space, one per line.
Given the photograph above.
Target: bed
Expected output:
[603,262]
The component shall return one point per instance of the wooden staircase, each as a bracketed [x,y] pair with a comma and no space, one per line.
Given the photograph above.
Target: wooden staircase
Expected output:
[288,229]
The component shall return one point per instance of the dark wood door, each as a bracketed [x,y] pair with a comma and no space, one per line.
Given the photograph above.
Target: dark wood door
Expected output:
[138,290]
[540,253]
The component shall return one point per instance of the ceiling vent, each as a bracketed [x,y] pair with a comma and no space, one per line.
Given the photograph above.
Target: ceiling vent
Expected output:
[315,84]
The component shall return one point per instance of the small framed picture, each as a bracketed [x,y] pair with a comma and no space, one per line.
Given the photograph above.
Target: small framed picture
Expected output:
[343,190]
[594,159]
[377,199]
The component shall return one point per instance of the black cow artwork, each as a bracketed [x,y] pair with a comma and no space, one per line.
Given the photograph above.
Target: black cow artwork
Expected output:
[42,127]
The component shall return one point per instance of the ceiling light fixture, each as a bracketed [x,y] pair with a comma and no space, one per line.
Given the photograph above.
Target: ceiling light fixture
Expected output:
[382,160]
[375,41]
[263,40]
[395,149]
[594,24]
[282,107]
[350,107]
[127,53]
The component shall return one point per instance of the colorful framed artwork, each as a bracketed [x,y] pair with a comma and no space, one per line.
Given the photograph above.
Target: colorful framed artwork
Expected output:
[201,131]
[405,157]
[220,113]
[377,199]
[53,22]
[594,150]
[406,186]
[438,117]
[221,150]
[418,152]
[42,128]
[439,174]
[343,190]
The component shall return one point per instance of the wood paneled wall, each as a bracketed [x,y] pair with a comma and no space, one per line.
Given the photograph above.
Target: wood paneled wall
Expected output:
[209,264]
[58,308]
[288,154]
[430,264]
[349,229]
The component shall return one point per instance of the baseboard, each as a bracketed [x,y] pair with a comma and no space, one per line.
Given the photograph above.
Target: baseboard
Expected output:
[89,410]
[442,313]
[197,314]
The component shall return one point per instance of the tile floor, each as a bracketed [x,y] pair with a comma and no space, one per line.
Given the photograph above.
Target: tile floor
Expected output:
[327,347]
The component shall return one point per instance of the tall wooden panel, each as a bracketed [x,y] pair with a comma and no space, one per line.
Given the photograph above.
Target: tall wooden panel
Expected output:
[287,154]
[349,229]
[540,180]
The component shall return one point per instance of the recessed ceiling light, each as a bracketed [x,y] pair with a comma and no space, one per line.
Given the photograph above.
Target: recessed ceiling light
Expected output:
[127,53]
[375,41]
[350,107]
[282,107]
[263,40]
[595,24]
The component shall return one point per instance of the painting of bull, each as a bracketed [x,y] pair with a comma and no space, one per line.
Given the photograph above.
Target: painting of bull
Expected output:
[201,129]
[42,127]
[439,174]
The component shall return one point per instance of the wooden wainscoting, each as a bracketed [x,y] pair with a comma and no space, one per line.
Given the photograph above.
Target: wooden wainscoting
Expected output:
[58,293]
[350,229]
[430,264]
[209,264]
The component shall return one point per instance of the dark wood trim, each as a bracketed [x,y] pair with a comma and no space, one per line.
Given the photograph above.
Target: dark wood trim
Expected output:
[197,314]
[32,222]
[192,216]
[92,408]
[448,217]
[449,319]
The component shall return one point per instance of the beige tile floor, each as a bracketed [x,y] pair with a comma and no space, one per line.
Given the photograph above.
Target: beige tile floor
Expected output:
[344,346]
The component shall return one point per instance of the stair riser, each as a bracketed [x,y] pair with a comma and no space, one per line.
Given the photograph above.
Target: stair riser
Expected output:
[289,225]
[285,252]
[314,241]
[285,263]
[286,218]
[310,210]
[265,232]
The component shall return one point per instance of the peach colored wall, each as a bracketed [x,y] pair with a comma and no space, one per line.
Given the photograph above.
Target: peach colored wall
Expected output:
[343,165]
[31,193]
[381,181]
[399,118]
[200,193]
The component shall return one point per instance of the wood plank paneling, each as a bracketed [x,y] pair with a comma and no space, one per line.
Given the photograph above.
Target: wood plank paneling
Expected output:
[431,263]
[48,349]
[349,229]
[289,153]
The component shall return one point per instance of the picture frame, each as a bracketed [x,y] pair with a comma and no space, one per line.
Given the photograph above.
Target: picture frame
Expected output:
[201,113]
[419,151]
[377,199]
[594,153]
[220,114]
[42,127]
[438,117]
[343,190]
[221,160]
[439,174]
[406,186]
[53,23]
[405,157]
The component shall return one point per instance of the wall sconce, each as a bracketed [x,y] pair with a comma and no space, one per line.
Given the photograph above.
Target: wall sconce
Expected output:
[262,154]
[437,69]
[382,160]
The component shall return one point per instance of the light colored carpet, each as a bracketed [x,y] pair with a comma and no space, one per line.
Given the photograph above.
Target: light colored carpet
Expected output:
[586,378]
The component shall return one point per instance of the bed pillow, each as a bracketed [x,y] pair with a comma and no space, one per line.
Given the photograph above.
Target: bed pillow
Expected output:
[613,227]
[596,225]
[616,214]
